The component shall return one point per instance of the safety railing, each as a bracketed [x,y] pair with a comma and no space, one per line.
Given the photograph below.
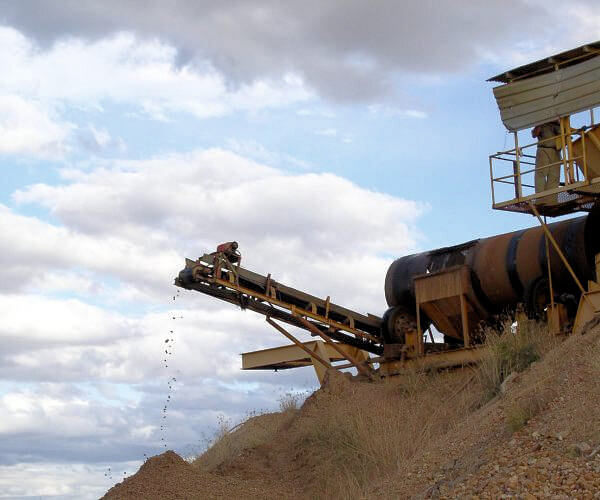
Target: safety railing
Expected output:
[513,172]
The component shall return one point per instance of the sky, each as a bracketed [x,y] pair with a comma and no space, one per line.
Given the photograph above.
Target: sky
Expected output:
[327,138]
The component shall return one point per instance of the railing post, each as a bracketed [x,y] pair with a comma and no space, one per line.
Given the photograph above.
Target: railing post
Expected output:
[492,181]
[517,174]
[569,141]
[563,149]
[585,175]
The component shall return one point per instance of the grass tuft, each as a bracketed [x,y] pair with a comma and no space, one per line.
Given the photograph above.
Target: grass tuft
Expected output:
[512,351]
[230,442]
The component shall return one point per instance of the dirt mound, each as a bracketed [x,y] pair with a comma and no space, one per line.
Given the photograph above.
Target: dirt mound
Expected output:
[552,410]
[535,441]
[169,476]
[163,476]
[419,435]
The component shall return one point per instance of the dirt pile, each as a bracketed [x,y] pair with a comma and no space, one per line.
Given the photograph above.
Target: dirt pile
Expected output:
[169,476]
[535,441]
[445,435]
[553,410]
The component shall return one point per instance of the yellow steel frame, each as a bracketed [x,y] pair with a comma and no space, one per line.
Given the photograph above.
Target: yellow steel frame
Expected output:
[316,353]
[518,159]
[558,250]
[589,309]
[294,310]
[432,361]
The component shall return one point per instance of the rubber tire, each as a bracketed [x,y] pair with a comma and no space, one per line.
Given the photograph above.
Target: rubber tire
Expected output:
[407,319]
[536,298]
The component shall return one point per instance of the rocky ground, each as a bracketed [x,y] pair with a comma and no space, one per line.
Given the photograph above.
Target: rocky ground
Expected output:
[540,438]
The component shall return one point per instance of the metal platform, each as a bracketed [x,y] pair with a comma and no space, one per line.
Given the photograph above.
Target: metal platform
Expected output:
[513,174]
[574,198]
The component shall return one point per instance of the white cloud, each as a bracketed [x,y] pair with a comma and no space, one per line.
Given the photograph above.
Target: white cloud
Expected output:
[55,479]
[120,231]
[138,219]
[35,251]
[65,321]
[319,112]
[28,127]
[78,341]
[127,70]
[125,229]
[347,50]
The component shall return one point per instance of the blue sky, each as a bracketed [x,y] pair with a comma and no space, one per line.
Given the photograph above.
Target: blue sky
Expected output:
[324,139]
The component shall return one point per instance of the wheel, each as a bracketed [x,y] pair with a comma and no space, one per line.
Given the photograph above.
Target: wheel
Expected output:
[398,320]
[536,298]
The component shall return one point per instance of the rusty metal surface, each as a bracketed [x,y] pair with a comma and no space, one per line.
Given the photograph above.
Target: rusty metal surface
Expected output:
[503,266]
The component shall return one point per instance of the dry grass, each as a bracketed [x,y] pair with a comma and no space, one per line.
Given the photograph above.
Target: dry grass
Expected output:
[229,442]
[365,430]
[512,352]
[351,435]
[291,402]
[519,413]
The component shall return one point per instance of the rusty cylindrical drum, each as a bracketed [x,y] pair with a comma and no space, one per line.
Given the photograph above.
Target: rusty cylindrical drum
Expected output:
[504,267]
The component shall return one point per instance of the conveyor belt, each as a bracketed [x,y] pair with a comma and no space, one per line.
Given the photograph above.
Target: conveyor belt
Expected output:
[215,275]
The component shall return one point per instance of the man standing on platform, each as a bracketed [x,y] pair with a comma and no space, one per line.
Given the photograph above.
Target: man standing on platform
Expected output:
[547,159]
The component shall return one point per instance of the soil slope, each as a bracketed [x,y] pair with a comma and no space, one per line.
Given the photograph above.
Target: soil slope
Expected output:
[420,436]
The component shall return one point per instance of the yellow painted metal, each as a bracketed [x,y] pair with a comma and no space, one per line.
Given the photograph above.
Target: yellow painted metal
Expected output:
[580,148]
[557,318]
[518,181]
[307,354]
[292,356]
[557,248]
[434,361]
[589,305]
[448,299]
[360,366]
[313,354]
[563,148]
[295,310]
[320,369]
[588,309]
[588,147]
[576,186]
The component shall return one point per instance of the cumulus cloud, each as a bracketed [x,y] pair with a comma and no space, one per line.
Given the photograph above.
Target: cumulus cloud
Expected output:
[123,69]
[28,127]
[347,50]
[80,481]
[78,341]
[137,220]
[35,252]
[91,371]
